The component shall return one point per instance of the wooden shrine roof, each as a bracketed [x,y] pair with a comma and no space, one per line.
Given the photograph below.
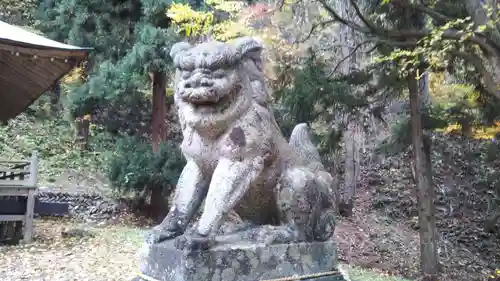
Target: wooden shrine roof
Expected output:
[30,65]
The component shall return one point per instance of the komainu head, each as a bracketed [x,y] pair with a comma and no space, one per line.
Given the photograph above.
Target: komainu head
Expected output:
[212,84]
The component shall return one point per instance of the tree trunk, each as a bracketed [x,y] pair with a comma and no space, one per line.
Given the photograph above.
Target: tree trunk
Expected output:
[418,88]
[159,134]
[423,86]
[334,170]
[352,142]
[82,131]
[425,189]
[55,97]
[159,126]
[347,38]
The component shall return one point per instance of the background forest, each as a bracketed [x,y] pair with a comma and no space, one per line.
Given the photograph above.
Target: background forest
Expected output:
[403,98]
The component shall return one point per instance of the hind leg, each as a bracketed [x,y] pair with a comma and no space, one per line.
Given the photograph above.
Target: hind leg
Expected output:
[305,203]
[296,203]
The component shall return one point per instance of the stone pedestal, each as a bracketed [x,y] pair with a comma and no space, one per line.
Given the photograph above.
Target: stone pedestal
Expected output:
[240,262]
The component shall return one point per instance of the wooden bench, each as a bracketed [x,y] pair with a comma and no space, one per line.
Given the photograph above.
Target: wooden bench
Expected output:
[18,182]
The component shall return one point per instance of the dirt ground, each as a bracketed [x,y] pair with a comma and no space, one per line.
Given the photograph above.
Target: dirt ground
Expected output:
[93,253]
[96,253]
[371,240]
[109,252]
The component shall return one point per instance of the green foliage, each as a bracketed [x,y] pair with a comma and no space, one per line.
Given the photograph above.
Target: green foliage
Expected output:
[150,51]
[316,97]
[42,108]
[189,21]
[119,94]
[54,140]
[18,12]
[216,17]
[488,108]
[454,107]
[400,138]
[106,26]
[130,39]
[463,105]
[440,36]
[134,167]
[115,99]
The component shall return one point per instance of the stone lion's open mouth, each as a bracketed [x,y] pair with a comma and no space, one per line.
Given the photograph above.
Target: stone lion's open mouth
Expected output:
[212,106]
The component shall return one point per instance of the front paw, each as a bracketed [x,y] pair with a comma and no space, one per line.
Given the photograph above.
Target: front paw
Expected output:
[159,234]
[195,242]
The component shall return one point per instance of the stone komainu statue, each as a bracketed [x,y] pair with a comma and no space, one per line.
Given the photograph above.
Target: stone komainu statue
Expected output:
[237,159]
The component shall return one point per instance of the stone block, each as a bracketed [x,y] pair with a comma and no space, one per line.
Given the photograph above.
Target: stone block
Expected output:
[240,262]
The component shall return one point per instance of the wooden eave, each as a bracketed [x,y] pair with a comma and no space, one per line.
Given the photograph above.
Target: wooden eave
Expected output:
[30,65]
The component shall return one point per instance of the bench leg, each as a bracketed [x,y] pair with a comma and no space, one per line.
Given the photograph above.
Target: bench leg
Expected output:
[28,221]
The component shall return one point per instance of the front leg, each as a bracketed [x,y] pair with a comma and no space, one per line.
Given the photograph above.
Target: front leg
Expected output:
[230,181]
[189,194]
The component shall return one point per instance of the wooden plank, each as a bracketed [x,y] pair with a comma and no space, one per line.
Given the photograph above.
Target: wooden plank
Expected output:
[21,170]
[33,176]
[12,175]
[20,163]
[12,217]
[15,191]
[71,54]
[18,182]
[28,222]
[21,166]
[5,186]
[15,183]
[9,177]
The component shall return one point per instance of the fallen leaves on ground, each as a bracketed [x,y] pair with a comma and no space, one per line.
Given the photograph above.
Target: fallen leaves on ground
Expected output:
[383,232]
[100,253]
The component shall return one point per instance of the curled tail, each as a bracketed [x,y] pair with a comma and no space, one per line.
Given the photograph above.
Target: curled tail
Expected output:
[302,144]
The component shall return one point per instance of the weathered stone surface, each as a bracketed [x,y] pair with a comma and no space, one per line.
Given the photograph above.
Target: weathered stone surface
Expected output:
[239,261]
[237,158]
[276,193]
